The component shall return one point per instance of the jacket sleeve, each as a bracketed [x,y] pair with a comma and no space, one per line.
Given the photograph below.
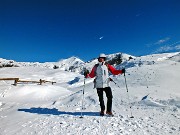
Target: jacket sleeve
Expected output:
[113,70]
[92,74]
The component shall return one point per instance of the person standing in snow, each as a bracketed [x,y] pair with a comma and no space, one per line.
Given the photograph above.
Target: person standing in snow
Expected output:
[101,82]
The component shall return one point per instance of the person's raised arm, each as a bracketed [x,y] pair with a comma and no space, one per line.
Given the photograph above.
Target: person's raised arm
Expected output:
[115,71]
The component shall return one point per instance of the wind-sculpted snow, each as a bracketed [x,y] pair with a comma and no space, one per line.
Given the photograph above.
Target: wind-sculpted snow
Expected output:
[153,89]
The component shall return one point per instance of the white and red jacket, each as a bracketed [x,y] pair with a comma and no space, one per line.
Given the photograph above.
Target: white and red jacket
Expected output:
[101,72]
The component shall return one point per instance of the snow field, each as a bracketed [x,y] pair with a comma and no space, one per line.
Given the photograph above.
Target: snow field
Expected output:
[55,109]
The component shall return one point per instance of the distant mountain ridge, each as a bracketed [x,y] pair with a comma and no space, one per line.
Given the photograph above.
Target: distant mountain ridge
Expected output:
[74,64]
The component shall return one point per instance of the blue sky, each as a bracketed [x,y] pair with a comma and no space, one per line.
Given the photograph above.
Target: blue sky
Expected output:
[49,30]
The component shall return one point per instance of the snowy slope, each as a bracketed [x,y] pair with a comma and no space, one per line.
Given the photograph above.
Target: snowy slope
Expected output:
[55,109]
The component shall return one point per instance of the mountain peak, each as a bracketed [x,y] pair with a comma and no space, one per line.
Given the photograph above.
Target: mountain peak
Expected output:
[73,58]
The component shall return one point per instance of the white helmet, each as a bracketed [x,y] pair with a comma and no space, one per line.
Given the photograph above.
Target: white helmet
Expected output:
[102,55]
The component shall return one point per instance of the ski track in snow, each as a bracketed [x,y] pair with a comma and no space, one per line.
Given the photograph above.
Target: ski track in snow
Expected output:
[54,110]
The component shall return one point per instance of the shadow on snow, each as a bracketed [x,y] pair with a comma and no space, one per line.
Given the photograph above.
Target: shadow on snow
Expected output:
[75,80]
[55,111]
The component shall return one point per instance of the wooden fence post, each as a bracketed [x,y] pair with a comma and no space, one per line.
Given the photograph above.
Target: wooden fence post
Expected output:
[40,81]
[16,81]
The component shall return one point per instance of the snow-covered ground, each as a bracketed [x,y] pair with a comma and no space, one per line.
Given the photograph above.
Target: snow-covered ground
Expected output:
[55,109]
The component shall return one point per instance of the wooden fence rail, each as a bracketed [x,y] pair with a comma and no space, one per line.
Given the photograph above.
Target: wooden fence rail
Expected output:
[16,80]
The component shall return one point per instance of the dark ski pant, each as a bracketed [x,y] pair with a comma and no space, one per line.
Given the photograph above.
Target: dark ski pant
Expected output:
[109,98]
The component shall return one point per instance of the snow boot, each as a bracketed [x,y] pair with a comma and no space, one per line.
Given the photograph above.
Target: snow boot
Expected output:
[109,113]
[101,113]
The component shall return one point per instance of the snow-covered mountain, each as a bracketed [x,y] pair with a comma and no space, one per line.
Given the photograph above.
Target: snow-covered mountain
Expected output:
[7,63]
[123,56]
[72,64]
[153,98]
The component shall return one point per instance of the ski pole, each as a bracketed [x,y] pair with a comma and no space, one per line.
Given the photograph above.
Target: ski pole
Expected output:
[114,82]
[117,86]
[83,98]
[128,95]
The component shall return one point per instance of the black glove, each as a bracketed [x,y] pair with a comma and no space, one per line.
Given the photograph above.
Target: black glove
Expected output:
[123,70]
[86,72]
